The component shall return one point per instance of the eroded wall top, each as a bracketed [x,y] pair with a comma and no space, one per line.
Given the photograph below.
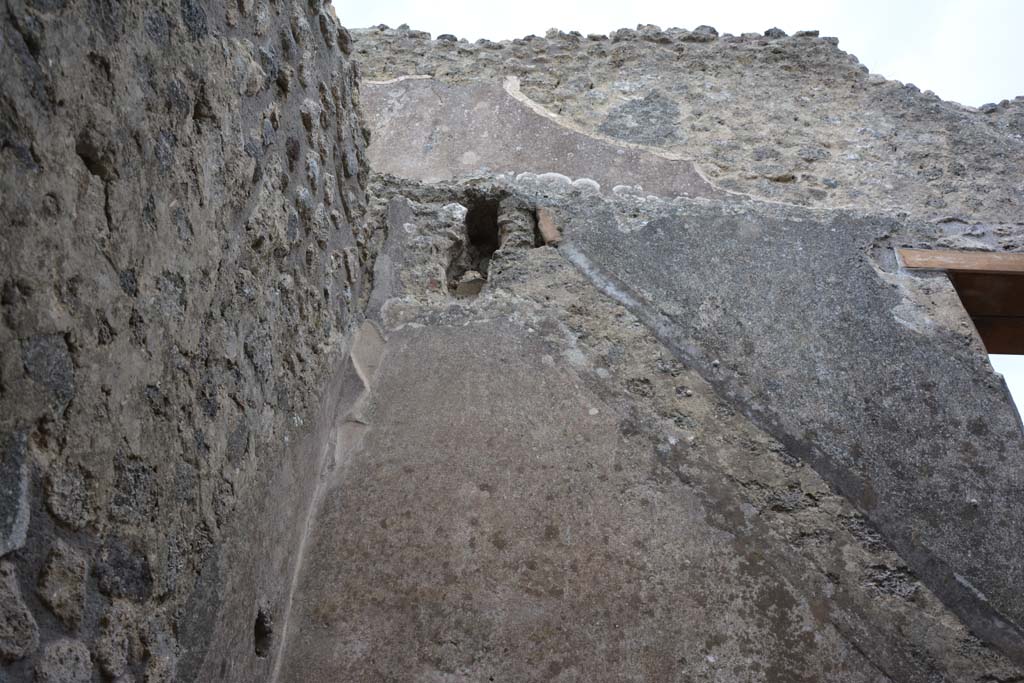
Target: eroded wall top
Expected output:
[789,118]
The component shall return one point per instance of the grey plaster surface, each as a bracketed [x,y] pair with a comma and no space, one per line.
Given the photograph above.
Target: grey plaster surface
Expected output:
[784,310]
[450,130]
[499,525]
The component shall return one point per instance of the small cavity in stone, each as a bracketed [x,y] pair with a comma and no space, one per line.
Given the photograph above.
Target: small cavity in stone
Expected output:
[470,258]
[263,632]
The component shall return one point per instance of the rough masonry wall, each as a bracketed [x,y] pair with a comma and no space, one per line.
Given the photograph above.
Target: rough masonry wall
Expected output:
[788,118]
[183,255]
[786,297]
[547,490]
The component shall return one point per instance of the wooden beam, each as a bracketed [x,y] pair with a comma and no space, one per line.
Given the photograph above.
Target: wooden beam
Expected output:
[1001,335]
[991,288]
[987,294]
[962,261]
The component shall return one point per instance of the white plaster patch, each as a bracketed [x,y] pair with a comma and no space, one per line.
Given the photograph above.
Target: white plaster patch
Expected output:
[587,185]
[555,180]
[912,316]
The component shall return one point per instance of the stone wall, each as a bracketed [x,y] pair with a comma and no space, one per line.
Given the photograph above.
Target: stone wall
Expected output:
[184,255]
[784,296]
[188,262]
[784,118]
[550,487]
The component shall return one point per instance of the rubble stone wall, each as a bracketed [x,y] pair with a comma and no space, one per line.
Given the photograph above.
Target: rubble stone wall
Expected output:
[778,117]
[183,256]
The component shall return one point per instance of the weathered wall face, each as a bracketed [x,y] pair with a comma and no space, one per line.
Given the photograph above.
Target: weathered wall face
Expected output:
[548,488]
[783,293]
[788,118]
[181,185]
[848,364]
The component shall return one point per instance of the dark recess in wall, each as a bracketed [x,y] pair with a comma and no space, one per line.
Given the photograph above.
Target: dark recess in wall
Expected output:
[263,632]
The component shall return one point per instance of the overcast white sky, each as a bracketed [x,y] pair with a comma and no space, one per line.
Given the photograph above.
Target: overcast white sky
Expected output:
[969,51]
[1012,370]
